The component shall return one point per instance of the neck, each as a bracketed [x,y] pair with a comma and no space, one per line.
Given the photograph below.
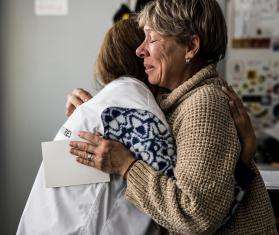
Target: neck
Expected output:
[189,72]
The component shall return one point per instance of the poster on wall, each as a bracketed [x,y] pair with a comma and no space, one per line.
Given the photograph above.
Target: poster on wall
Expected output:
[254,22]
[51,7]
[257,82]
[253,73]
[252,68]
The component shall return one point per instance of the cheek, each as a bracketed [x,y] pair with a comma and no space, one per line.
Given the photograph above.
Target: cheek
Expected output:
[174,58]
[167,59]
[155,52]
[162,58]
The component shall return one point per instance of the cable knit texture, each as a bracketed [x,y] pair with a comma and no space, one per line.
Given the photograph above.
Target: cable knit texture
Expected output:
[199,197]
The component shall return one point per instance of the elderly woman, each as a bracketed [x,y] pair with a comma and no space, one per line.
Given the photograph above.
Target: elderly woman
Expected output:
[184,40]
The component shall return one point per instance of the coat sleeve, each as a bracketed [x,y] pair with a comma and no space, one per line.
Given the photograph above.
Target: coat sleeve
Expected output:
[200,196]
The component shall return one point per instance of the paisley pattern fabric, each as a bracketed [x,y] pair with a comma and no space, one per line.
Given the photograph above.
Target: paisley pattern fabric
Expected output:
[144,134]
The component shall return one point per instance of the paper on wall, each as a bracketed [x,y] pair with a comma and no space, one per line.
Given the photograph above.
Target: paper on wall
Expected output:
[255,18]
[51,7]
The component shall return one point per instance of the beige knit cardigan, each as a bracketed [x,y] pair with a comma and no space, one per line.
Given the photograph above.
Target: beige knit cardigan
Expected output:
[207,150]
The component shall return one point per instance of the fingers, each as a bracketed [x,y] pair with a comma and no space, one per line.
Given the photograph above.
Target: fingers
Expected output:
[243,125]
[83,150]
[69,109]
[234,111]
[94,139]
[72,103]
[233,96]
[82,146]
[85,162]
[236,104]
[83,157]
[109,156]
[236,99]
[96,147]
[82,94]
[79,153]
[73,100]
[76,98]
[82,154]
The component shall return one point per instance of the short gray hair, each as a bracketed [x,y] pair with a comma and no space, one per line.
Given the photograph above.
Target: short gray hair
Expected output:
[185,18]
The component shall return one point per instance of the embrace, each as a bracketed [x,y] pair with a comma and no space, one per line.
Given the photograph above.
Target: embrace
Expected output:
[167,128]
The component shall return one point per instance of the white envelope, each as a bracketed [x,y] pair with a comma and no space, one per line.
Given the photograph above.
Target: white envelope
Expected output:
[62,169]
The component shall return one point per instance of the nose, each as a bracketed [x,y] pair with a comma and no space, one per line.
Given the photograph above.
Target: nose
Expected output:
[141,50]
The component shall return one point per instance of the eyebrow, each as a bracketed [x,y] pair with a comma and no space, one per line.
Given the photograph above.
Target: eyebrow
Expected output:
[148,29]
[147,32]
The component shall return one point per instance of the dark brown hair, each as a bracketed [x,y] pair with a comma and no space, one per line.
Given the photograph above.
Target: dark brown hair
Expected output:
[185,18]
[117,55]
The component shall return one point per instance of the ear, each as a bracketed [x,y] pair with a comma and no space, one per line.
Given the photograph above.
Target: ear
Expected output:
[193,47]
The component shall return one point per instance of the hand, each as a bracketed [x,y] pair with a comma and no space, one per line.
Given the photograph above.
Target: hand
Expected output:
[243,125]
[106,155]
[76,98]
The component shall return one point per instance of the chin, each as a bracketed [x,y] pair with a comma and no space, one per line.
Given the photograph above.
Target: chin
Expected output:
[152,81]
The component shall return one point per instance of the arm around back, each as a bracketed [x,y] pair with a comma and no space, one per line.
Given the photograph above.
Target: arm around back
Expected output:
[200,196]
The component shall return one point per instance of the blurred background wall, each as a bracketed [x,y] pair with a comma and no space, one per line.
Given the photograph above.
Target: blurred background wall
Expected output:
[42,59]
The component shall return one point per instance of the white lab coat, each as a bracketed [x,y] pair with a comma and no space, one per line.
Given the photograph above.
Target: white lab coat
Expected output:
[95,208]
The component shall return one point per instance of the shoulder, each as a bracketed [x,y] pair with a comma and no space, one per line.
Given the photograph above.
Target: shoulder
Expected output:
[203,104]
[205,96]
[205,114]
[120,91]
[207,93]
[127,81]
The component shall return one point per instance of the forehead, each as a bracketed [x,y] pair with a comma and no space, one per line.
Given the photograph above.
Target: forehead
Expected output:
[147,29]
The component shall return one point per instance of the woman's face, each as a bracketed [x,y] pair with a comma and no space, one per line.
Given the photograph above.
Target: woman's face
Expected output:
[164,59]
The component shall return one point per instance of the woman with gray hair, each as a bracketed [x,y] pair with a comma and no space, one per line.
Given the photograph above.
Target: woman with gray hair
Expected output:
[184,40]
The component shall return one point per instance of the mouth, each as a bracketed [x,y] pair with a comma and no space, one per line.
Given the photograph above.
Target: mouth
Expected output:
[148,68]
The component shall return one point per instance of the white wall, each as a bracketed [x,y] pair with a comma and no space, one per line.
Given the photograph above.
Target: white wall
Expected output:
[44,58]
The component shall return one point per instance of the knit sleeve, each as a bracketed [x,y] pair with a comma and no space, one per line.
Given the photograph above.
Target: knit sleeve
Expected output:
[200,196]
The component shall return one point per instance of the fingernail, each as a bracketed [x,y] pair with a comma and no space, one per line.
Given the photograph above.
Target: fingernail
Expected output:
[231,103]
[85,100]
[224,88]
